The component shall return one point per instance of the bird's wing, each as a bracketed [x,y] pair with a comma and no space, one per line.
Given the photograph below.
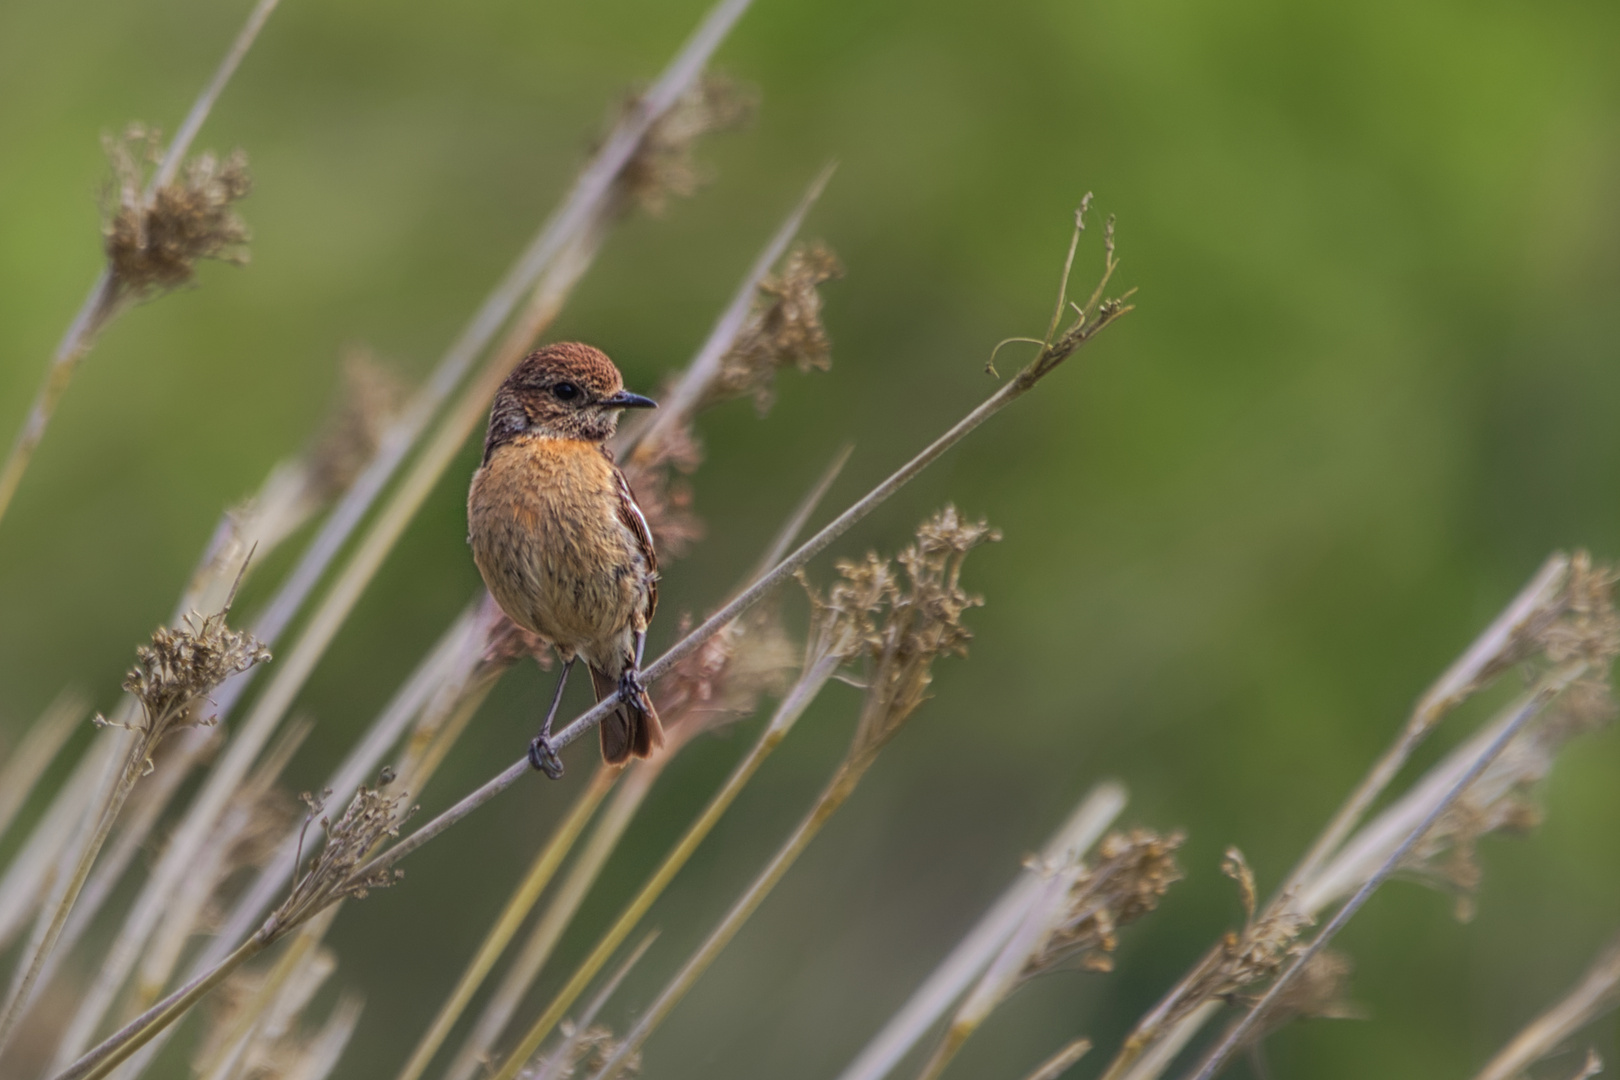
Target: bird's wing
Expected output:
[634,520]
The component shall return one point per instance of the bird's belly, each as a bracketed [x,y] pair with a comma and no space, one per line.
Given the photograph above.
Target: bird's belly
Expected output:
[569,573]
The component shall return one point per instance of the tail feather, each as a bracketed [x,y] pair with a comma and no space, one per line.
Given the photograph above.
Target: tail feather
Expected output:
[632,729]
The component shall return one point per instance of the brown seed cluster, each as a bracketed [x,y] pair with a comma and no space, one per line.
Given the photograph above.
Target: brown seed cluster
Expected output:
[657,474]
[901,622]
[350,840]
[1131,872]
[725,678]
[182,666]
[784,329]
[153,243]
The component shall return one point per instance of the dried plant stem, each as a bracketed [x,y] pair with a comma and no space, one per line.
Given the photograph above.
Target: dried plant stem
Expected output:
[60,904]
[102,303]
[838,789]
[116,1048]
[506,925]
[980,945]
[1596,993]
[1527,710]
[554,920]
[792,706]
[1482,660]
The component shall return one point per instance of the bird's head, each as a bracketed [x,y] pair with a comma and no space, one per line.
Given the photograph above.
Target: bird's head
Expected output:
[563,391]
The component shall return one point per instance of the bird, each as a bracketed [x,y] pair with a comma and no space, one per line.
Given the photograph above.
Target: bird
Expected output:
[559,539]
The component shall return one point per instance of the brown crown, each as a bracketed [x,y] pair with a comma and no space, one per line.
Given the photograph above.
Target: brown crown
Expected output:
[572,361]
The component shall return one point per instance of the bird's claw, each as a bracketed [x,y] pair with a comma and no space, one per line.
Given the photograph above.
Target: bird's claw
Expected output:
[544,758]
[631,689]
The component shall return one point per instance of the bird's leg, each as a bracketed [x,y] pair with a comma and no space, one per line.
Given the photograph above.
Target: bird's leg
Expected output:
[630,687]
[541,755]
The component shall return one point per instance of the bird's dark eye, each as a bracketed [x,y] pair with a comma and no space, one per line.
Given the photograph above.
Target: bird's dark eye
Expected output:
[565,391]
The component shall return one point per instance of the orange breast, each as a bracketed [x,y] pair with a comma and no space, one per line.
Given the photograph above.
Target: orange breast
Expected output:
[547,536]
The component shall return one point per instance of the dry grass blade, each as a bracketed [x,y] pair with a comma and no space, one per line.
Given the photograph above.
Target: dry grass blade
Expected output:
[1062,1061]
[1597,993]
[25,763]
[982,943]
[103,300]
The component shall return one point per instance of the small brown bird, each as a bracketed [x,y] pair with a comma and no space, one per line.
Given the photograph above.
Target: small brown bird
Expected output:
[559,539]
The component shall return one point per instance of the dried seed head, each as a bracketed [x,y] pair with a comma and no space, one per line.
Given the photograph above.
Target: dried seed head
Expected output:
[1125,881]
[784,330]
[153,243]
[371,816]
[369,401]
[586,1052]
[505,642]
[183,665]
[904,626]
[664,165]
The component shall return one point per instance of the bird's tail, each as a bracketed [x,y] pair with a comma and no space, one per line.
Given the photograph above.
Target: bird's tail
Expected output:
[630,729]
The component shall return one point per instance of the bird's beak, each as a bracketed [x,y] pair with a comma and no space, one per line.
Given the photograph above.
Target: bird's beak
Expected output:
[624,399]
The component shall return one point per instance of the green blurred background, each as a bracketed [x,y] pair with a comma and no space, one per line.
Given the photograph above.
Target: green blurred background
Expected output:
[1369,386]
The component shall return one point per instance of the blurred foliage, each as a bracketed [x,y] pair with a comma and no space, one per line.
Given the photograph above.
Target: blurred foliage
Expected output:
[1370,384]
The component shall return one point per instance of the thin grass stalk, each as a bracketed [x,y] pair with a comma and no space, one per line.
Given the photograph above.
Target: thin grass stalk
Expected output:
[511,918]
[25,764]
[981,944]
[116,1048]
[103,300]
[838,789]
[548,930]
[29,875]
[788,711]
[1528,709]
[1597,993]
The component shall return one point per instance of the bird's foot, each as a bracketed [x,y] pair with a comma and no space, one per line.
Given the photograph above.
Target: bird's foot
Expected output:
[544,758]
[631,689]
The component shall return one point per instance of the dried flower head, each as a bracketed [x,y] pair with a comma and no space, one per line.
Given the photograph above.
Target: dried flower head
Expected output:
[664,165]
[1129,875]
[369,401]
[902,624]
[784,329]
[584,1051]
[332,875]
[1317,993]
[182,666]
[153,242]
